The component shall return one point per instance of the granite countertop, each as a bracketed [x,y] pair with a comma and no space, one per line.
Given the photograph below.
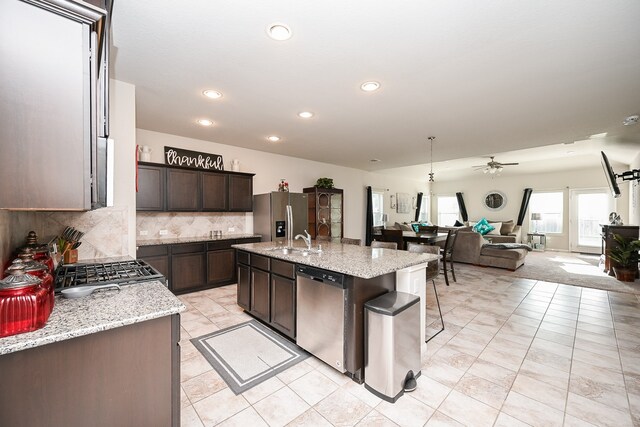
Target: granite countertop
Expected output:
[194,239]
[100,311]
[359,261]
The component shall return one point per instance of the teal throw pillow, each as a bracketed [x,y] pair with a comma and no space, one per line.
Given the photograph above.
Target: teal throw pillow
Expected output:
[416,225]
[483,227]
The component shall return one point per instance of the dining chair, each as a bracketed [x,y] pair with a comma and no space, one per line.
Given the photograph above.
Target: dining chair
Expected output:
[428,229]
[390,235]
[384,245]
[447,253]
[433,268]
[323,238]
[350,241]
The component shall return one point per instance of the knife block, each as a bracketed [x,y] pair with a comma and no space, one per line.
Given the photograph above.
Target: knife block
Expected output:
[71,256]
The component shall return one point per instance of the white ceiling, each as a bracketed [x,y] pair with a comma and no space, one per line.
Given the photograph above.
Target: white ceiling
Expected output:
[484,76]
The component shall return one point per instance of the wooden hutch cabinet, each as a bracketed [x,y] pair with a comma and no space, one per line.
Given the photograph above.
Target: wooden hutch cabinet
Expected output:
[325,213]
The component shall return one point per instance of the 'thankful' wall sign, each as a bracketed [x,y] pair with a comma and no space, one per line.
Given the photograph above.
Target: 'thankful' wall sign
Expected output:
[192,159]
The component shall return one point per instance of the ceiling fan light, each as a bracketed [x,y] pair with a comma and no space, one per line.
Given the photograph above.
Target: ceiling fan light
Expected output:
[485,170]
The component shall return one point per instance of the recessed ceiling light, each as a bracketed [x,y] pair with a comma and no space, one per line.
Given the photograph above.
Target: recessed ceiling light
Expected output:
[279,32]
[631,120]
[205,122]
[213,94]
[370,86]
[305,114]
[273,138]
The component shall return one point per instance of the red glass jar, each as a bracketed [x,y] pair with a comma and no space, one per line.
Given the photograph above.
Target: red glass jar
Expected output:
[24,302]
[38,269]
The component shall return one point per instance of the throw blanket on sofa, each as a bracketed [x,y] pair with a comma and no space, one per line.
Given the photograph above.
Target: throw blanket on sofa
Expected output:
[507,246]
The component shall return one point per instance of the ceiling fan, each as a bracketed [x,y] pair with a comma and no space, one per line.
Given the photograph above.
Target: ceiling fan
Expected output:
[493,167]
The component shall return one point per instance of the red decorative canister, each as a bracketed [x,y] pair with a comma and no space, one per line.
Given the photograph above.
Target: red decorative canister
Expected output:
[38,269]
[24,302]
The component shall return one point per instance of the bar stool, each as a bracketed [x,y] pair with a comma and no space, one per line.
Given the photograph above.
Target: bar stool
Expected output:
[447,256]
[432,273]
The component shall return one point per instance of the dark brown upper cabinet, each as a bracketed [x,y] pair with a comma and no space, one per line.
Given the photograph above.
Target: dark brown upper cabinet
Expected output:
[241,193]
[151,191]
[178,189]
[183,190]
[214,191]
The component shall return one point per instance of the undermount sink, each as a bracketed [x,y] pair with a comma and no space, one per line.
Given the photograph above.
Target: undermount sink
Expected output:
[288,251]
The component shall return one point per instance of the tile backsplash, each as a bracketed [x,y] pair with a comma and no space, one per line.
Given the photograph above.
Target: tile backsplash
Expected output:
[106,230]
[5,238]
[192,224]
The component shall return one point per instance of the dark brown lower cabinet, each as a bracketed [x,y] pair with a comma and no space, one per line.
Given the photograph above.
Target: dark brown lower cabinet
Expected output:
[244,286]
[158,257]
[127,376]
[267,290]
[283,303]
[260,304]
[188,267]
[221,262]
[195,266]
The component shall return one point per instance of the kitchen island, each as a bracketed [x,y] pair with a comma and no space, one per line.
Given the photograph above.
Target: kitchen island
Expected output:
[268,289]
[111,358]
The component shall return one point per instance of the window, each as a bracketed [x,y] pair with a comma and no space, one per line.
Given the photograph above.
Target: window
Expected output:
[448,212]
[377,198]
[424,208]
[551,206]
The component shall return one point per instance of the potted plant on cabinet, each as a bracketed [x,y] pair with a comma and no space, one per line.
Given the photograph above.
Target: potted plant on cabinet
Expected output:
[324,183]
[625,255]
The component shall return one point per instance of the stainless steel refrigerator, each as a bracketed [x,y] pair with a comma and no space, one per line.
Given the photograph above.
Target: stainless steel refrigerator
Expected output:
[270,215]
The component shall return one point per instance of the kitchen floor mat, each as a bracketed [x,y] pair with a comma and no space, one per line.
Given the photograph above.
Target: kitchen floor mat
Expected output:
[248,354]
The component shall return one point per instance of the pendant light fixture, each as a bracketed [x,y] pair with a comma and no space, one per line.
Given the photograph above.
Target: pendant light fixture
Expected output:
[431,174]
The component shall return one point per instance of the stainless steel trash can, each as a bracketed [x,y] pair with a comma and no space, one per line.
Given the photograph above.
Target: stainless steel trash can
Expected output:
[392,351]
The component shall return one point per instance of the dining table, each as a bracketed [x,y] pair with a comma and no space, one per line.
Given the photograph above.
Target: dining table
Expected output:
[421,238]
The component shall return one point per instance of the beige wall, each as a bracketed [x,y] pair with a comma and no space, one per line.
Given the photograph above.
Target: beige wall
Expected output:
[513,186]
[299,173]
[634,200]
[5,239]
[123,132]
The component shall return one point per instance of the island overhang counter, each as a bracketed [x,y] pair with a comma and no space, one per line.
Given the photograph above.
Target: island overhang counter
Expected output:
[267,286]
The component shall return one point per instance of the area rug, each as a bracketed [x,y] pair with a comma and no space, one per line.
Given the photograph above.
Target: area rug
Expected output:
[248,354]
[564,267]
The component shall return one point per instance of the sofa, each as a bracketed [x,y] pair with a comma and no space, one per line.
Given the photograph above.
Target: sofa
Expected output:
[471,248]
[508,232]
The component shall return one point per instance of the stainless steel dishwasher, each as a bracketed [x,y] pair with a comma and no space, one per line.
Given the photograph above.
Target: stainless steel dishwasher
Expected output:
[320,321]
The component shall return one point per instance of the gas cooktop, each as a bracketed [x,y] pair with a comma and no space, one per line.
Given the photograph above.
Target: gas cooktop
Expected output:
[120,273]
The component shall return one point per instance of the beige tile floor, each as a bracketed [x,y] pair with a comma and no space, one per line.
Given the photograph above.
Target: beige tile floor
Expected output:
[515,352]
